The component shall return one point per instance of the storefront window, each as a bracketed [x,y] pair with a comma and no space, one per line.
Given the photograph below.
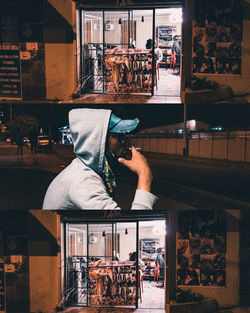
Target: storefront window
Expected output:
[116,51]
[108,262]
[92,51]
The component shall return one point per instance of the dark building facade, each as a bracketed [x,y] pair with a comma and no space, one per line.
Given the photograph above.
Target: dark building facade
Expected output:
[37,248]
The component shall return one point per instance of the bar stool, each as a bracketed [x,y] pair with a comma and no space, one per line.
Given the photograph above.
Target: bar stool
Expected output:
[156,272]
[140,284]
[172,60]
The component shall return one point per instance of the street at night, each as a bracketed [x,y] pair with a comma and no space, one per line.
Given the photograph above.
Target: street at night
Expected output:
[179,182]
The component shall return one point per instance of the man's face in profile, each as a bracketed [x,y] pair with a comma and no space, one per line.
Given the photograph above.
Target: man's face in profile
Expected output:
[119,145]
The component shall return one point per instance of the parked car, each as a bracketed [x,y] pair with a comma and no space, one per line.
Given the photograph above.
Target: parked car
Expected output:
[42,142]
[26,140]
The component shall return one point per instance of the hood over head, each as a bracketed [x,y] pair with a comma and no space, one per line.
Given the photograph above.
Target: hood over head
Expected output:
[89,129]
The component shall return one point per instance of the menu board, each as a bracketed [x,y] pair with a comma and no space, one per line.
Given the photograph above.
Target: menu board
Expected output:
[148,247]
[10,76]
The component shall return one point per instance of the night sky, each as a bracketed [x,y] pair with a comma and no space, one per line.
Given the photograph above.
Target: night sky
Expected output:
[229,116]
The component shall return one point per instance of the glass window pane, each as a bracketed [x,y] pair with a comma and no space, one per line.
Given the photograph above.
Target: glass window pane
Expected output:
[143,23]
[93,26]
[77,240]
[77,264]
[152,260]
[126,240]
[92,51]
[100,240]
[116,28]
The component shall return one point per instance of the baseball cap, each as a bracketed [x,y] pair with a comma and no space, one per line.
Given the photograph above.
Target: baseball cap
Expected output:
[117,125]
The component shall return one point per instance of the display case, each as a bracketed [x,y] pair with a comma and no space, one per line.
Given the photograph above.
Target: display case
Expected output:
[112,283]
[128,70]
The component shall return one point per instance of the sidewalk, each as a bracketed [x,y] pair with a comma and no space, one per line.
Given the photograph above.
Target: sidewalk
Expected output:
[235,310]
[112,310]
[124,310]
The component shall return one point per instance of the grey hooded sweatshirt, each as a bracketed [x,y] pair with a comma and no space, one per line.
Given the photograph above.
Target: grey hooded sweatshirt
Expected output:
[80,185]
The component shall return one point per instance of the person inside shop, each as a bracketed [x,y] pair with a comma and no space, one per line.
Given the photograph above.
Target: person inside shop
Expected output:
[176,51]
[158,51]
[160,261]
[158,57]
[100,145]
[132,257]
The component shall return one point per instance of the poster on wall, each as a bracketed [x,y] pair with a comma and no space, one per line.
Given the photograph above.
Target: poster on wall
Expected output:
[201,249]
[2,288]
[10,76]
[217,37]
[164,34]
[148,247]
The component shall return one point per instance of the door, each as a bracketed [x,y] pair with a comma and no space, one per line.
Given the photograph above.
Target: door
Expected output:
[91,79]
[98,268]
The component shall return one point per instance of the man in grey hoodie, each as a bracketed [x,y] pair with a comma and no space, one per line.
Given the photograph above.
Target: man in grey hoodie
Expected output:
[88,182]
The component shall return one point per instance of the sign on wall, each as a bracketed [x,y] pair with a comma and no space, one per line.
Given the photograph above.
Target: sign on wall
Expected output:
[217,37]
[10,76]
[2,288]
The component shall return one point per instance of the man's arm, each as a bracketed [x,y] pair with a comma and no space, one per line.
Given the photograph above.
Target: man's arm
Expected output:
[90,194]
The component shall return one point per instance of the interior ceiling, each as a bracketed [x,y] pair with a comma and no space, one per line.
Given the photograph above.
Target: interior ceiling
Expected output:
[120,226]
[127,3]
[136,13]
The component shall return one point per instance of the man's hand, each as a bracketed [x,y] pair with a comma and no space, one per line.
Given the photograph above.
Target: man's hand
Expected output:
[139,165]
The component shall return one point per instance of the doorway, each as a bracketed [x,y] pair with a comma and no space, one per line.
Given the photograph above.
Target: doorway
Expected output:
[115,264]
[116,51]
[168,26]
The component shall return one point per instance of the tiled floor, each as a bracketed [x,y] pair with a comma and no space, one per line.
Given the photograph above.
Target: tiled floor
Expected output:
[152,296]
[121,99]
[168,91]
[111,310]
[169,83]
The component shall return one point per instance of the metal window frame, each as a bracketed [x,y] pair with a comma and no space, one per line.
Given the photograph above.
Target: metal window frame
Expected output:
[68,221]
[103,10]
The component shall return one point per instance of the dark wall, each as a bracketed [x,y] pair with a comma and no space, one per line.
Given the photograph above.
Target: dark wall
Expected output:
[31,24]
[244,258]
[14,241]
[21,22]
[22,235]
